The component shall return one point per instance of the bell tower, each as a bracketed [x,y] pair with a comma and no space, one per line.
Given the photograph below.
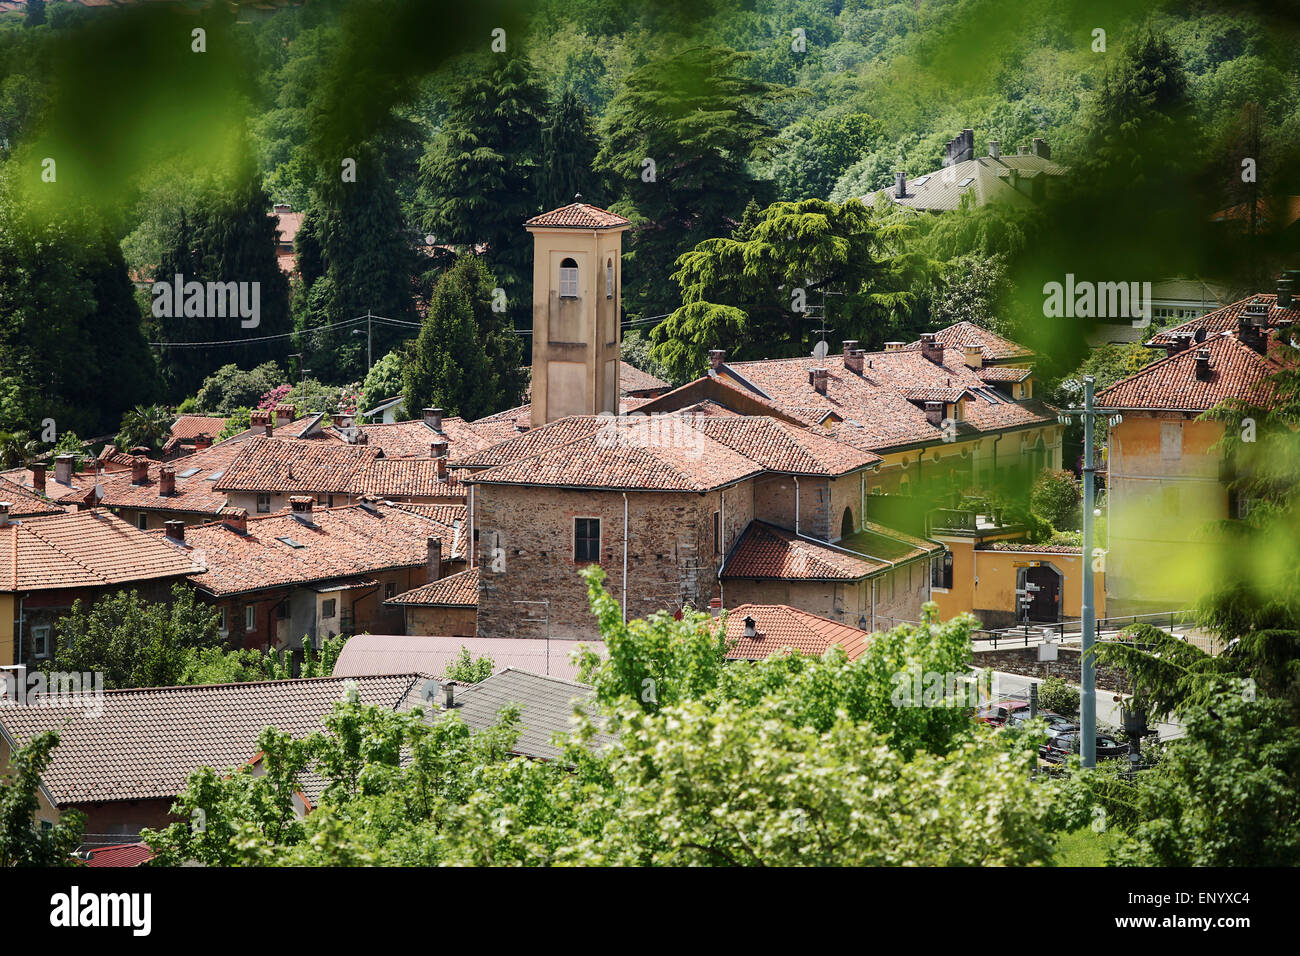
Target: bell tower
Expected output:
[577,291]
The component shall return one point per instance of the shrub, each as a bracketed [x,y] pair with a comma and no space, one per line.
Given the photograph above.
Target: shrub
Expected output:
[1055,498]
[1056,695]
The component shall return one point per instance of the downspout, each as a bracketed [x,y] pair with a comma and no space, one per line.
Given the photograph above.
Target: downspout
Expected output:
[796,503]
[470,544]
[722,542]
[862,502]
[624,560]
[873,604]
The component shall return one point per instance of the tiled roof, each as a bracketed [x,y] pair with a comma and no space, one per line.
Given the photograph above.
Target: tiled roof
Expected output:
[24,502]
[124,854]
[189,427]
[513,422]
[274,465]
[147,742]
[766,551]
[516,445]
[996,348]
[1225,319]
[403,478]
[986,178]
[287,224]
[195,493]
[878,541]
[546,708]
[412,439]
[368,654]
[455,590]
[632,379]
[1003,373]
[578,215]
[1019,546]
[83,549]
[779,446]
[778,626]
[335,542]
[1236,371]
[77,490]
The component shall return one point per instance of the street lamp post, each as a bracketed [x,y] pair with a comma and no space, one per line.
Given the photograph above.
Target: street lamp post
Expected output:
[1088,414]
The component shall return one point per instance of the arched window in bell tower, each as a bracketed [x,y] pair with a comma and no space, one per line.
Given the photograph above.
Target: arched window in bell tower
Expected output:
[568,279]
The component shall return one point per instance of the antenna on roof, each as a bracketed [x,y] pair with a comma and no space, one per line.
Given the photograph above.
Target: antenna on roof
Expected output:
[577,197]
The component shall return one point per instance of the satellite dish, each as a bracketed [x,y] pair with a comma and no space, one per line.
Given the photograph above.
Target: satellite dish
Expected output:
[429,691]
[820,350]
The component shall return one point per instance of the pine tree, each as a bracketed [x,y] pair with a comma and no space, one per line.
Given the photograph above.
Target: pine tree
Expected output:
[480,175]
[699,120]
[449,367]
[569,150]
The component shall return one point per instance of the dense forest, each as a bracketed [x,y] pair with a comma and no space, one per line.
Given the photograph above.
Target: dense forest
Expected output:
[416,136]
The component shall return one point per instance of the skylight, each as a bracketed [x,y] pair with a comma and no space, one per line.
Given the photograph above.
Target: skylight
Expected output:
[966,182]
[189,472]
[214,476]
[292,542]
[921,181]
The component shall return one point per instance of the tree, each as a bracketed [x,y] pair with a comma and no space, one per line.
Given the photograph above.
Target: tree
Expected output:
[819,150]
[22,843]
[480,174]
[449,366]
[383,381]
[231,387]
[1055,498]
[145,427]
[467,668]
[134,642]
[1058,697]
[758,289]
[17,449]
[699,121]
[35,13]
[568,153]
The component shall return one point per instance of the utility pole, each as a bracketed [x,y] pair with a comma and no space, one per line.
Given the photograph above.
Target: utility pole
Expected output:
[1088,414]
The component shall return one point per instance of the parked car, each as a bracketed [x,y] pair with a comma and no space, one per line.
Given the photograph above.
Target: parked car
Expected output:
[998,714]
[1055,722]
[1060,744]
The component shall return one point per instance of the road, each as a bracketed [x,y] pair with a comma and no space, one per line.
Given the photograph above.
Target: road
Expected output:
[1108,715]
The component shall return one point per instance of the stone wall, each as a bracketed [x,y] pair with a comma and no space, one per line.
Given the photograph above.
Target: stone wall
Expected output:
[1024,661]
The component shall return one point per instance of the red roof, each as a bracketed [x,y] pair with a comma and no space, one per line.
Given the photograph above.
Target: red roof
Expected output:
[455,590]
[124,854]
[1235,371]
[579,215]
[192,426]
[766,551]
[275,465]
[1225,319]
[778,626]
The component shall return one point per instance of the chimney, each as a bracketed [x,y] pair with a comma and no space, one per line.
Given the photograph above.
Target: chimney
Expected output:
[285,413]
[433,561]
[1284,289]
[968,144]
[717,358]
[900,185]
[235,519]
[301,504]
[63,469]
[202,441]
[438,448]
[931,349]
[139,470]
[850,345]
[934,413]
[995,149]
[4,513]
[282,207]
[1182,343]
[1041,149]
[166,480]
[1022,150]
[853,361]
[175,530]
[1014,178]
[441,465]
[893,346]
[1203,363]
[260,422]
[817,378]
[38,476]
[448,694]
[975,356]
[433,418]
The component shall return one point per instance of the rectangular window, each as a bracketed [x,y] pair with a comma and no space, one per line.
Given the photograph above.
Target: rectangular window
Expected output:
[41,640]
[609,279]
[142,521]
[586,539]
[263,504]
[223,623]
[717,532]
[1171,441]
[390,589]
[282,610]
[568,282]
[250,618]
[941,571]
[329,608]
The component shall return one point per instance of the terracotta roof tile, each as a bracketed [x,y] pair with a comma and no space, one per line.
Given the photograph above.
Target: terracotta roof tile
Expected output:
[333,543]
[632,379]
[778,626]
[189,427]
[1235,371]
[275,465]
[83,549]
[195,493]
[405,478]
[996,348]
[455,590]
[766,551]
[368,654]
[25,502]
[1225,319]
[578,215]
